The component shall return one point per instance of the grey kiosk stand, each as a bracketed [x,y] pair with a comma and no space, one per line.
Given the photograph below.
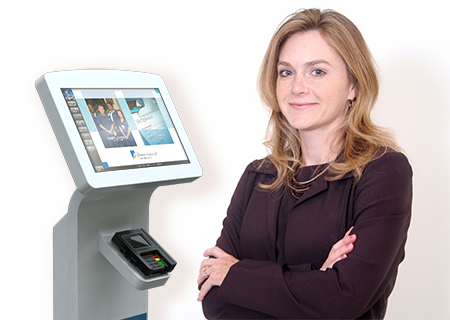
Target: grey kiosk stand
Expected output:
[92,278]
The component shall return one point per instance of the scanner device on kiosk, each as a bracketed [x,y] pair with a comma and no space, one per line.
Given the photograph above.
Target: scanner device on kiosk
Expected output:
[144,252]
[122,138]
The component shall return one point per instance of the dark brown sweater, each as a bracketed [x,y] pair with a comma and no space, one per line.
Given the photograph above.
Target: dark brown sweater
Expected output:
[281,242]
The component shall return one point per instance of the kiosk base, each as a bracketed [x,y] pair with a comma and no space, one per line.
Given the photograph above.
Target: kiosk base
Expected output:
[91,280]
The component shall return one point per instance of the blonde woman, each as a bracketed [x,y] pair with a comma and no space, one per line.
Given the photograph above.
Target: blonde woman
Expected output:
[316,229]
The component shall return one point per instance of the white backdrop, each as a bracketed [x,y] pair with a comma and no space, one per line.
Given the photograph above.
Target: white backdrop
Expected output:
[209,53]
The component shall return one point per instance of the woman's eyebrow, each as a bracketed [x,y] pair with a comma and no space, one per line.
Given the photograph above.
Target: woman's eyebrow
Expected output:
[283,63]
[314,62]
[307,64]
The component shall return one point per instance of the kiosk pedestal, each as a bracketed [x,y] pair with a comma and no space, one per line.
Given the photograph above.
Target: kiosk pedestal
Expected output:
[89,271]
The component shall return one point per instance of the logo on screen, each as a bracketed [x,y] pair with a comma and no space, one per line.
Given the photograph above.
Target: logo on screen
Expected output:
[133,154]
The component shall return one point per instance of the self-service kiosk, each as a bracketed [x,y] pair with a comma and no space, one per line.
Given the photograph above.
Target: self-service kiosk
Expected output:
[122,138]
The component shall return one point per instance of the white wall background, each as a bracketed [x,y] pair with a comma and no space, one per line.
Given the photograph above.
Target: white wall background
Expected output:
[209,53]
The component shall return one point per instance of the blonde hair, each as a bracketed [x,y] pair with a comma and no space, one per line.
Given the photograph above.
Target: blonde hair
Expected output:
[363,140]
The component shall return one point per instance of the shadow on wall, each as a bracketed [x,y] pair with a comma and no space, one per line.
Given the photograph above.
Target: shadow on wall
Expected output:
[415,102]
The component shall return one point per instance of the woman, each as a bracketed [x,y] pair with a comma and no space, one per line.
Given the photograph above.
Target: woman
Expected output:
[124,131]
[317,229]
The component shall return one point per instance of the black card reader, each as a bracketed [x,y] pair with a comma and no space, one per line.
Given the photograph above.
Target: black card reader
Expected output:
[144,252]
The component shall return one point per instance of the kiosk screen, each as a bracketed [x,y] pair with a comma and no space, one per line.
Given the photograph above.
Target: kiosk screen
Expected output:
[125,128]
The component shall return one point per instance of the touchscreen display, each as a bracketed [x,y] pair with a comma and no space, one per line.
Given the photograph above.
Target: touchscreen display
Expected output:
[124,128]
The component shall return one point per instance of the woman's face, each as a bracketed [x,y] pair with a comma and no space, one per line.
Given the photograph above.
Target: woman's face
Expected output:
[313,87]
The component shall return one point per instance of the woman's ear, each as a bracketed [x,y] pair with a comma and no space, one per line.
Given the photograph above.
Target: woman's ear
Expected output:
[353,92]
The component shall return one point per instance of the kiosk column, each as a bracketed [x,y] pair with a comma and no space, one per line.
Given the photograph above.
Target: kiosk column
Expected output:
[85,282]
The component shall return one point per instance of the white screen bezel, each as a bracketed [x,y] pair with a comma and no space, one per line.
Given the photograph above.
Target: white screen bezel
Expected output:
[112,79]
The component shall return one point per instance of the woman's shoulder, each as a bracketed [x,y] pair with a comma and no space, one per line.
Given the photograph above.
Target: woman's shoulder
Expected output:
[391,156]
[385,160]
[389,161]
[262,166]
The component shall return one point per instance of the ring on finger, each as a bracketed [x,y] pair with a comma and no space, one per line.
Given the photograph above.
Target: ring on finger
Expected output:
[204,271]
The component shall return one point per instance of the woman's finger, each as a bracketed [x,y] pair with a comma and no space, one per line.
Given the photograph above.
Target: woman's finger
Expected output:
[343,246]
[207,263]
[215,252]
[340,250]
[204,290]
[206,268]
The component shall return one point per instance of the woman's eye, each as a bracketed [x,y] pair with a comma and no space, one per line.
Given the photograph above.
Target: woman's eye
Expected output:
[318,72]
[285,73]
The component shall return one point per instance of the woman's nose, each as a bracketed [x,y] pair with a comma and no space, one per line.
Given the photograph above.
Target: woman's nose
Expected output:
[299,86]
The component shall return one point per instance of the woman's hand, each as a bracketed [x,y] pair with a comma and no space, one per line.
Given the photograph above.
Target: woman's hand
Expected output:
[339,250]
[214,269]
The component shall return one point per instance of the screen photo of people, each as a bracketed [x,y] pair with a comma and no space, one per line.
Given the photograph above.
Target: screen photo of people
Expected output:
[111,123]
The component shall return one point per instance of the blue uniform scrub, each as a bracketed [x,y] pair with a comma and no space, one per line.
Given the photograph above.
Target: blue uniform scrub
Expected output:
[113,115]
[124,125]
[108,140]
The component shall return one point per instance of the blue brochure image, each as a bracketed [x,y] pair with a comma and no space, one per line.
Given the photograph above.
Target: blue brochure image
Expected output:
[156,136]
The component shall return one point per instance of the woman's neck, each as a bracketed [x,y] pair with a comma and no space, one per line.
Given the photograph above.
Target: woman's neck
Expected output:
[318,149]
